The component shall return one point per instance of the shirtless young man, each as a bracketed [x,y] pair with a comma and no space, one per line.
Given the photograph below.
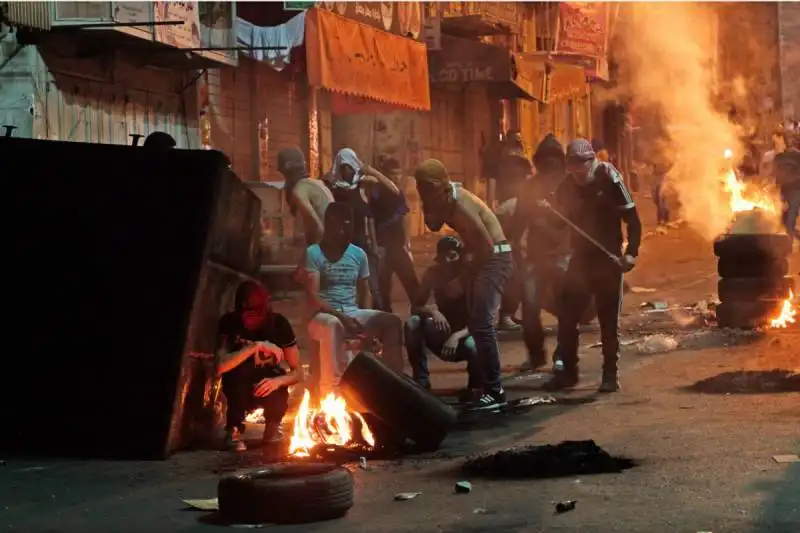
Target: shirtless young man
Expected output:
[307,198]
[492,264]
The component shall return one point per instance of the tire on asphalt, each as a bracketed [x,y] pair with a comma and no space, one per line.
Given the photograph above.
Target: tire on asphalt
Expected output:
[753,289]
[775,245]
[285,493]
[410,410]
[747,315]
[752,267]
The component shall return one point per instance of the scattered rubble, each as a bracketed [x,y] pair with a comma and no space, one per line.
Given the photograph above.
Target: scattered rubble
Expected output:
[563,507]
[568,458]
[659,343]
[463,487]
[750,382]
[405,496]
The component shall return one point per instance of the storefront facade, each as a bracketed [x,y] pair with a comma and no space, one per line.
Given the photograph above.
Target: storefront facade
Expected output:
[118,82]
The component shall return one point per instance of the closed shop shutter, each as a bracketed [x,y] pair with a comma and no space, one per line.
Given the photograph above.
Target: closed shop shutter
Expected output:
[442,134]
[281,99]
[78,106]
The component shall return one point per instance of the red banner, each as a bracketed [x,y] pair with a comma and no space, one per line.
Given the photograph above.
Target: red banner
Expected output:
[582,28]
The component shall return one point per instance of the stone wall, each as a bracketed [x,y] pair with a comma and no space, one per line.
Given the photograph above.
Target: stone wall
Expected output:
[789,38]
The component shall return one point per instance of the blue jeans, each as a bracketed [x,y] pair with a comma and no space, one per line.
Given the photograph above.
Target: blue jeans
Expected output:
[791,214]
[420,334]
[485,295]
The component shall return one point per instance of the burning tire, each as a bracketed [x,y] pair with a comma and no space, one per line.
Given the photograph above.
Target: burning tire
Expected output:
[754,289]
[752,266]
[747,315]
[286,493]
[398,401]
[745,245]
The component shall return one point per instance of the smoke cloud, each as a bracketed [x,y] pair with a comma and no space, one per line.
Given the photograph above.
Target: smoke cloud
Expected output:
[666,54]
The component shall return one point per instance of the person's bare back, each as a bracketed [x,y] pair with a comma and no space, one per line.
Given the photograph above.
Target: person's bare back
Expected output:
[312,198]
[477,225]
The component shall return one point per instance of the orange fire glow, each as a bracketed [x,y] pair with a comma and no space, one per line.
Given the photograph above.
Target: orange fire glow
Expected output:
[788,314]
[331,423]
[742,197]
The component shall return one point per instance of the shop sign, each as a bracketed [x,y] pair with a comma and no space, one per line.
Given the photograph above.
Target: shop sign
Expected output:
[298,6]
[582,28]
[401,18]
[186,35]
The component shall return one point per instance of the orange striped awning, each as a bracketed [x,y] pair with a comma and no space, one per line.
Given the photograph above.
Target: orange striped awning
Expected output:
[351,58]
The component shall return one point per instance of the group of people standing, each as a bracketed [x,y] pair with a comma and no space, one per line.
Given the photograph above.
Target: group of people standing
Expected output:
[355,231]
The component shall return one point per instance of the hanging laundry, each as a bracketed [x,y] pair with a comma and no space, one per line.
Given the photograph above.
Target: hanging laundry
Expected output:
[285,37]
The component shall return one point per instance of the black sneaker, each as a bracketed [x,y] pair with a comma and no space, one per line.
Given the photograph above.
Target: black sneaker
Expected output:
[561,381]
[489,401]
[610,384]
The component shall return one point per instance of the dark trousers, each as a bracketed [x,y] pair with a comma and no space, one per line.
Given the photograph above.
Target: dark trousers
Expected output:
[396,261]
[512,292]
[662,211]
[541,277]
[420,333]
[237,385]
[374,266]
[791,213]
[485,294]
[589,277]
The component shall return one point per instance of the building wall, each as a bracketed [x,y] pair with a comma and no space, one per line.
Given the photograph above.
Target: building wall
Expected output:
[789,20]
[749,62]
[50,93]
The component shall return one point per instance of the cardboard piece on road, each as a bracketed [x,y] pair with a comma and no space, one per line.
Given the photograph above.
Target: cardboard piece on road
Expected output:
[211,504]
[790,458]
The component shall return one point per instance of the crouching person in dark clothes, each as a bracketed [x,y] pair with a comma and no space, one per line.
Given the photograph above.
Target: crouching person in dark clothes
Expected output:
[443,331]
[594,197]
[490,266]
[252,342]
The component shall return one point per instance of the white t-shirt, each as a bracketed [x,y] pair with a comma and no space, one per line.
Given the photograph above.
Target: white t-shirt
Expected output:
[338,279]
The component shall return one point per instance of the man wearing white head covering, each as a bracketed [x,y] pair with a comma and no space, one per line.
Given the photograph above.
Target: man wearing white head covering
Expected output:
[350,181]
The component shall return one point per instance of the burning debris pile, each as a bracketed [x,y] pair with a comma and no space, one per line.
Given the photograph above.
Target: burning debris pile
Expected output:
[755,290]
[329,426]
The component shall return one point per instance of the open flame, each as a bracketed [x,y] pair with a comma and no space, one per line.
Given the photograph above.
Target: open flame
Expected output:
[331,423]
[742,197]
[787,315]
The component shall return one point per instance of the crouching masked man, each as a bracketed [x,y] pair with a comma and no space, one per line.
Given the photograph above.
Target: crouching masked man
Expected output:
[594,197]
[252,342]
[338,292]
[491,265]
[443,330]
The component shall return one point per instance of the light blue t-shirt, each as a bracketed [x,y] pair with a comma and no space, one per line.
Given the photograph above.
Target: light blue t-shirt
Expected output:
[338,279]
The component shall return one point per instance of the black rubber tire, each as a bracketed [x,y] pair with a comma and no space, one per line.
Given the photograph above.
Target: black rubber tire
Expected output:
[747,315]
[286,493]
[410,410]
[775,245]
[752,267]
[753,289]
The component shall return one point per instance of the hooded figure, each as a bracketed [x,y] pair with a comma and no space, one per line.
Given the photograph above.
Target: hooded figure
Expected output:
[346,172]
[436,191]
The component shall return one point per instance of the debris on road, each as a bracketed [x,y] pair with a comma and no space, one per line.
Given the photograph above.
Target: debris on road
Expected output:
[463,487]
[750,382]
[405,496]
[659,343]
[791,458]
[563,507]
[654,306]
[362,463]
[566,459]
[209,504]
[624,342]
[481,510]
[641,290]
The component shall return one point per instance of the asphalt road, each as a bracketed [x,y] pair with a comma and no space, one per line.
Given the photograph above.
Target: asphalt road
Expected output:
[705,459]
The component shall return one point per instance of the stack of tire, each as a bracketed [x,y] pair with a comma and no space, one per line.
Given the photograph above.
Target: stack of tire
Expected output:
[753,269]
